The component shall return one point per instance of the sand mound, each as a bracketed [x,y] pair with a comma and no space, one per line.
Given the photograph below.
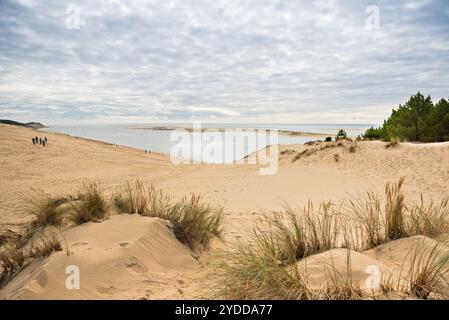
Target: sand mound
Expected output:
[125,257]
[396,254]
[340,264]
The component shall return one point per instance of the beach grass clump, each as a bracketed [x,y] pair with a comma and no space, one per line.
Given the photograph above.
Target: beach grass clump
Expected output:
[194,222]
[394,142]
[9,236]
[379,224]
[299,155]
[370,220]
[269,266]
[295,235]
[352,148]
[429,270]
[45,211]
[287,152]
[159,204]
[394,220]
[92,205]
[395,211]
[336,157]
[132,198]
[340,285]
[430,220]
[48,243]
[251,274]
[12,260]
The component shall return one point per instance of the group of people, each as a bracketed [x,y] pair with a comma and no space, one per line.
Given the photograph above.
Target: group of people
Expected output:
[41,141]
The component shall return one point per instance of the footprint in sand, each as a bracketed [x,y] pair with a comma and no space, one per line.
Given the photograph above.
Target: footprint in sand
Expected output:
[123,244]
[103,290]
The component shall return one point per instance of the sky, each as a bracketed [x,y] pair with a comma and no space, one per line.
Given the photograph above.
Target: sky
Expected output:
[290,61]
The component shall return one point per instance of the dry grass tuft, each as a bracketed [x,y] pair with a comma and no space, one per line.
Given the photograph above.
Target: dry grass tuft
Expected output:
[12,261]
[296,235]
[393,143]
[194,222]
[431,220]
[429,271]
[304,153]
[9,236]
[132,199]
[395,220]
[48,243]
[352,148]
[92,205]
[267,266]
[336,157]
[159,204]
[394,211]
[250,274]
[45,211]
[340,285]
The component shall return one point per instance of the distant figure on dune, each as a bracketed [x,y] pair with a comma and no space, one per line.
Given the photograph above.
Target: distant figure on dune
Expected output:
[34,141]
[45,139]
[40,140]
[43,143]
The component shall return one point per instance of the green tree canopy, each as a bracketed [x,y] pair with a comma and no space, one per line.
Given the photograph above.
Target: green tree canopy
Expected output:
[417,120]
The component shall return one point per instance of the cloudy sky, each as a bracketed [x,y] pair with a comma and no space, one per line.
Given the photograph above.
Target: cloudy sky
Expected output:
[222,60]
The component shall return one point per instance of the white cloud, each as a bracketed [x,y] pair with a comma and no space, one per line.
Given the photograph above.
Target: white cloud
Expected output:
[416,4]
[220,111]
[251,60]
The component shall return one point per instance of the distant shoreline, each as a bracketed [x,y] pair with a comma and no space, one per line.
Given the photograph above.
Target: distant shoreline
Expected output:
[283,132]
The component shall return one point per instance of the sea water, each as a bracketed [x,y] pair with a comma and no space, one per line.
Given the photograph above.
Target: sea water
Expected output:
[148,137]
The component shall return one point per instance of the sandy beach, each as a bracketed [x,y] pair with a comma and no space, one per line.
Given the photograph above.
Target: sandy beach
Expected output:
[135,257]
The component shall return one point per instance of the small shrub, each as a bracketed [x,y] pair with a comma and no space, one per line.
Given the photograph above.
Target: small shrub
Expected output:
[375,134]
[341,135]
[91,207]
[352,148]
[328,139]
[336,157]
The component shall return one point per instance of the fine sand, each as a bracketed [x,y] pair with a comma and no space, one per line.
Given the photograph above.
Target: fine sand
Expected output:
[134,257]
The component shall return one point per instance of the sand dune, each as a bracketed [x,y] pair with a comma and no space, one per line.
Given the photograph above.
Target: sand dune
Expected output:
[133,257]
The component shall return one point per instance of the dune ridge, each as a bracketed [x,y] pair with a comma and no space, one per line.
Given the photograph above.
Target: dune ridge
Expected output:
[135,257]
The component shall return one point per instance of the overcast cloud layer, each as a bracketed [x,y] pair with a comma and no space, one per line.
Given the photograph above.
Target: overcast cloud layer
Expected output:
[221,60]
